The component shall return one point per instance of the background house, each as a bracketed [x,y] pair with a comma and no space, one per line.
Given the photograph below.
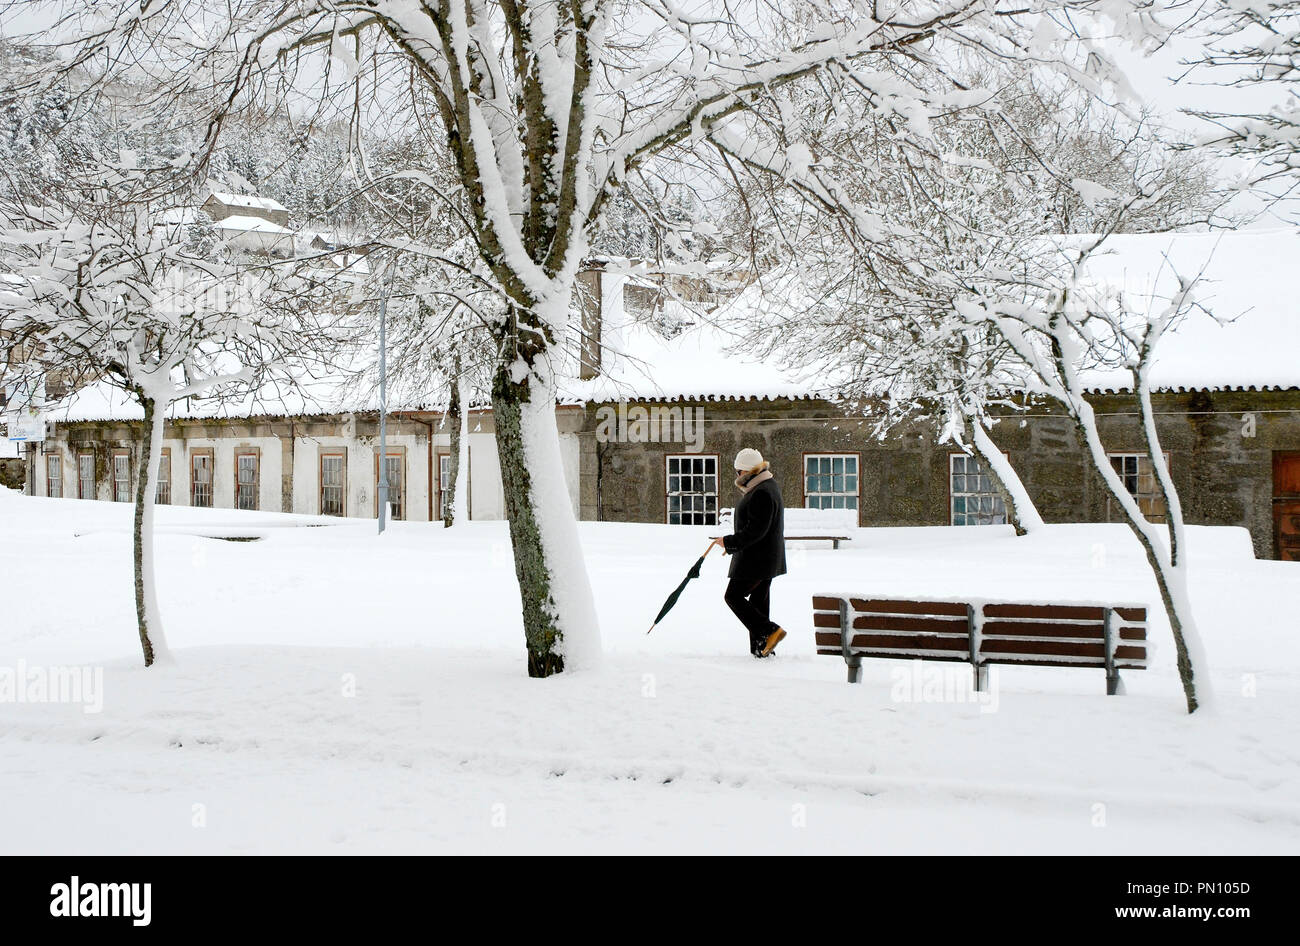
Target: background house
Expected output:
[1228,412]
[220,205]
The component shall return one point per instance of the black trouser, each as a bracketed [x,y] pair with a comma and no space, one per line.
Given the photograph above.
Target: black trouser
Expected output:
[750,600]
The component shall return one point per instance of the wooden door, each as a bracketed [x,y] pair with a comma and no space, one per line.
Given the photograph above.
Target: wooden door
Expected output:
[1286,505]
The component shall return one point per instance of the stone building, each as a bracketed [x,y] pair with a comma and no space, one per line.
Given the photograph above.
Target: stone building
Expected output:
[220,205]
[651,425]
[309,462]
[1234,456]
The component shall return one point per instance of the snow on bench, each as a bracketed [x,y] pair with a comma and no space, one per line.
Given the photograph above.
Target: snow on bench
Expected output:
[1084,634]
[812,525]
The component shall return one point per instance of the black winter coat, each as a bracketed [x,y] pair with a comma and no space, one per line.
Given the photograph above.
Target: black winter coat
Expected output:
[757,546]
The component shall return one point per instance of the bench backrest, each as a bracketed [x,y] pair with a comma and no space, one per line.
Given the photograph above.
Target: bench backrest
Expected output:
[812,521]
[1055,634]
[808,521]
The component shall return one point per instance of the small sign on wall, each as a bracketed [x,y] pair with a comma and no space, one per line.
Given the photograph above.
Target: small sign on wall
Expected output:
[27,425]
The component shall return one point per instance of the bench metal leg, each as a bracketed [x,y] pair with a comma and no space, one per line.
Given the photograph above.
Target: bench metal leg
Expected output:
[1114,686]
[855,668]
[854,661]
[981,671]
[835,545]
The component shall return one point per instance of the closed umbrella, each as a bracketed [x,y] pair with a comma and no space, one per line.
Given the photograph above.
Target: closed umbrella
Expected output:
[672,598]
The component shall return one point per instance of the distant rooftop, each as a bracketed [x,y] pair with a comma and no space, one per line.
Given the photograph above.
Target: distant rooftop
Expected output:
[251,201]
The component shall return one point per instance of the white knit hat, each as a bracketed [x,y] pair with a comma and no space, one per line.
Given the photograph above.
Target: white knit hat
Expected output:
[747,459]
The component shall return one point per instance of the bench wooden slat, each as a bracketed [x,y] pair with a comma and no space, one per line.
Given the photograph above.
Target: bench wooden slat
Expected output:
[1059,648]
[948,656]
[1042,629]
[878,622]
[1009,660]
[878,606]
[824,603]
[1062,612]
[909,642]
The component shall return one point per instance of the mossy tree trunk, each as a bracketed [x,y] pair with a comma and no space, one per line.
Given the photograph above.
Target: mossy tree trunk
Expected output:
[542,633]
[148,620]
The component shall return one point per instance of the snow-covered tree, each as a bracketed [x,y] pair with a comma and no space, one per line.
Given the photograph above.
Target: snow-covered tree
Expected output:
[923,261]
[1058,325]
[1254,46]
[547,108]
[103,284]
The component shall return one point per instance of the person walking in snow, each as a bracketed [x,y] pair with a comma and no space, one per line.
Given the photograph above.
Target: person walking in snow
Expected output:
[757,550]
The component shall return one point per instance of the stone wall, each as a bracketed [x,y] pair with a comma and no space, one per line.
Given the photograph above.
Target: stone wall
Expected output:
[1223,475]
[13,472]
[1221,459]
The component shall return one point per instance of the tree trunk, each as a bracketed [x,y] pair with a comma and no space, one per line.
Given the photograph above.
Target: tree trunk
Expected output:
[559,613]
[1172,581]
[1021,512]
[455,419]
[1171,578]
[152,640]
[1187,637]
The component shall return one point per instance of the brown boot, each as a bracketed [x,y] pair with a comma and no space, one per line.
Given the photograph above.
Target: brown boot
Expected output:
[772,640]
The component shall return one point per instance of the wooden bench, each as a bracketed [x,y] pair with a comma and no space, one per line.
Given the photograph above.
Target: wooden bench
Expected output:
[812,525]
[1110,637]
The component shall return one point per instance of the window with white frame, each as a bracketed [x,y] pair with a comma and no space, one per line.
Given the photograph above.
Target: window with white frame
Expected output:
[121,477]
[333,472]
[164,495]
[247,480]
[830,481]
[692,490]
[85,476]
[975,501]
[444,484]
[54,475]
[201,471]
[395,468]
[1139,478]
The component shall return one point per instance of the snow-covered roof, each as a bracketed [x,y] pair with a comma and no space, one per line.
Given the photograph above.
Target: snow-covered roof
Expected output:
[105,402]
[179,215]
[250,225]
[1245,278]
[700,363]
[247,200]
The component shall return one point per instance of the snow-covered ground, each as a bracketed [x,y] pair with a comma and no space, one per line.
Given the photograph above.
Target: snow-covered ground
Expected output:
[334,691]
